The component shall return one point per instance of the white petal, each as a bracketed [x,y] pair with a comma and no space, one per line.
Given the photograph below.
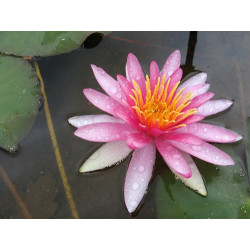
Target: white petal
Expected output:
[197,79]
[195,182]
[214,106]
[107,155]
[138,176]
[79,121]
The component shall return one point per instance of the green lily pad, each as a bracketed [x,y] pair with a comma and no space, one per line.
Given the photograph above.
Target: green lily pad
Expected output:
[19,100]
[40,43]
[228,194]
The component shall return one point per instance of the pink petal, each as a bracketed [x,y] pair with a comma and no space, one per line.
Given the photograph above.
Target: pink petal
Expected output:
[103,102]
[211,133]
[127,117]
[196,90]
[79,121]
[108,83]
[197,79]
[206,152]
[126,69]
[195,182]
[191,119]
[135,72]
[125,86]
[173,63]
[154,74]
[199,100]
[183,137]
[104,132]
[138,176]
[138,140]
[214,106]
[175,77]
[173,157]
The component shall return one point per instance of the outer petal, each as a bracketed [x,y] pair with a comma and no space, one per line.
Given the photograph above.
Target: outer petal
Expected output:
[173,63]
[206,152]
[138,140]
[135,72]
[154,74]
[196,90]
[199,100]
[195,182]
[173,157]
[197,79]
[184,137]
[107,155]
[211,133]
[79,121]
[138,176]
[104,132]
[108,83]
[102,101]
[214,106]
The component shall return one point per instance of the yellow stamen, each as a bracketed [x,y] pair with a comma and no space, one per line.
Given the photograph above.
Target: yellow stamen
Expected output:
[163,108]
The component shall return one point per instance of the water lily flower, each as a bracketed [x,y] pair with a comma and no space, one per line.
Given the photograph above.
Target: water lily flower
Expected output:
[149,113]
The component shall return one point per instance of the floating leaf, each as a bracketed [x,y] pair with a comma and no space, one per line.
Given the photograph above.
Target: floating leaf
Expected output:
[228,194]
[40,43]
[19,99]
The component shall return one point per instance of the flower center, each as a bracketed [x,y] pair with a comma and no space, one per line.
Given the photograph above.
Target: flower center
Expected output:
[163,106]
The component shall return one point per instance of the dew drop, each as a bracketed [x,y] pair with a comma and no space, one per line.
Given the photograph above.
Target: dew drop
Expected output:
[135,186]
[142,179]
[141,169]
[205,130]
[133,203]
[177,157]
[196,148]
[113,90]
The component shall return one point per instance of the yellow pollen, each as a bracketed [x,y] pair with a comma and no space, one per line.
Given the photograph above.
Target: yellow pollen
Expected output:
[163,108]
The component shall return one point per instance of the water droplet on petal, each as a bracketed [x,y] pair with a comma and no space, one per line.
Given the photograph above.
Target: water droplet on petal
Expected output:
[141,169]
[205,130]
[133,203]
[177,156]
[113,89]
[135,186]
[196,148]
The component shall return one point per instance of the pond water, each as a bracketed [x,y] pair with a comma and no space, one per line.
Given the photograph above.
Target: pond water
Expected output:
[33,170]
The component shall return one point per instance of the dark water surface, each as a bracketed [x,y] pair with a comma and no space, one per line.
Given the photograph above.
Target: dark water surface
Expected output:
[33,169]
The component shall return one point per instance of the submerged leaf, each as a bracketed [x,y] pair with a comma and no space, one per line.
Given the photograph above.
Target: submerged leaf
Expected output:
[19,99]
[41,43]
[228,194]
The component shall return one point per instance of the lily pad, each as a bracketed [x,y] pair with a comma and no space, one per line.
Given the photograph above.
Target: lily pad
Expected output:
[228,194]
[19,100]
[40,43]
